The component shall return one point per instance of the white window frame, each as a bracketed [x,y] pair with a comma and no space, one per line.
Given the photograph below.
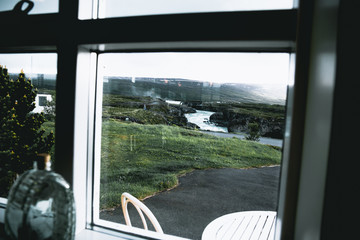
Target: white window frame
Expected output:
[215,47]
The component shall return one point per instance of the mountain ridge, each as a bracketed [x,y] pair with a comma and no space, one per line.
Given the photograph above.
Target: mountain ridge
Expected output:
[187,90]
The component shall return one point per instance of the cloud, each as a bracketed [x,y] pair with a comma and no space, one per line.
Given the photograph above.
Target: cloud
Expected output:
[112,8]
[255,68]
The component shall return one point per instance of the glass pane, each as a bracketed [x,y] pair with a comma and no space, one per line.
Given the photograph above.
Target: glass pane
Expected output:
[27,99]
[193,135]
[39,7]
[119,8]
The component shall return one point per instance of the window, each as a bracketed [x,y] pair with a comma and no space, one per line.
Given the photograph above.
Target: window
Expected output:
[40,77]
[122,8]
[174,116]
[83,96]
[42,101]
[38,6]
[229,30]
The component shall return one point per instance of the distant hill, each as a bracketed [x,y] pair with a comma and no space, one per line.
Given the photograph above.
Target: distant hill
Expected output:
[186,90]
[39,80]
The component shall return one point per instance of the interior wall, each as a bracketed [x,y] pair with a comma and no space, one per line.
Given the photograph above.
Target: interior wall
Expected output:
[341,203]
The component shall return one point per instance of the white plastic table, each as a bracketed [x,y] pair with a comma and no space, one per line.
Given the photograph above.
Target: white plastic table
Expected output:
[248,225]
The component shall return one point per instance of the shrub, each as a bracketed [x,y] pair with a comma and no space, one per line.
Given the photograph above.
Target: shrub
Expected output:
[21,133]
[254,134]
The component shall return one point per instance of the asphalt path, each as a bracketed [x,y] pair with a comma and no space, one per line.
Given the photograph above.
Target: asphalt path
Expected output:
[204,195]
[263,140]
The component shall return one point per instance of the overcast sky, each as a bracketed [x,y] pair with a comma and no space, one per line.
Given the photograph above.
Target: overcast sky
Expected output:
[255,68]
[40,6]
[30,63]
[112,8]
[115,8]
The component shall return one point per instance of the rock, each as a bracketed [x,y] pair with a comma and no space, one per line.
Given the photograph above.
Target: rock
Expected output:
[239,122]
[183,108]
[219,119]
[192,125]
[270,127]
[186,109]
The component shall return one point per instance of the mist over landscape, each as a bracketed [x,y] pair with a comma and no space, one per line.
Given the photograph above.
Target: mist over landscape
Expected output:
[187,90]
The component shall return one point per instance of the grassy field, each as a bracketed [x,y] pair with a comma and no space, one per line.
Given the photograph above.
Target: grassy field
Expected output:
[144,159]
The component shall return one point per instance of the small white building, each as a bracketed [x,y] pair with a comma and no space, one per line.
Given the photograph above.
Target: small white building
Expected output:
[40,102]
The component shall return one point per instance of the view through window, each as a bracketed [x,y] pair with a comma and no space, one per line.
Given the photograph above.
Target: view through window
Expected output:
[121,8]
[30,7]
[193,135]
[27,98]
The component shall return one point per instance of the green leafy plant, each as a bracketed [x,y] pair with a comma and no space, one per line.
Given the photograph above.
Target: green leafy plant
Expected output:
[21,134]
[254,134]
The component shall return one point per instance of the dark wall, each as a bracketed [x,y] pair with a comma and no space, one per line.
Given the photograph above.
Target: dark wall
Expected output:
[341,203]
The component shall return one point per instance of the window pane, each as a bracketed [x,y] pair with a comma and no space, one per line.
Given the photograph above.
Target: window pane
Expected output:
[119,8]
[40,6]
[187,132]
[27,108]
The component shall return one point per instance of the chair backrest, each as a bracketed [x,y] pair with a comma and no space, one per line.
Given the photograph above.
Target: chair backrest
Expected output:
[141,208]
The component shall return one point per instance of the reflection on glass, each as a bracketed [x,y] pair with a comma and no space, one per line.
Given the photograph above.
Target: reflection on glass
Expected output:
[27,100]
[168,114]
[40,206]
[119,8]
[40,6]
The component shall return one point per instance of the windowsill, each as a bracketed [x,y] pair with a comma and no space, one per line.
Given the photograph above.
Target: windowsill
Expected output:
[83,235]
[86,235]
[93,235]
[100,233]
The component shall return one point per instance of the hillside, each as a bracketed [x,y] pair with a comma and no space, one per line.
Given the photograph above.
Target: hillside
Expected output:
[186,90]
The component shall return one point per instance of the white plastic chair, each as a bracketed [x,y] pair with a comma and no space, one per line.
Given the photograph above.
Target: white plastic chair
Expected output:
[140,207]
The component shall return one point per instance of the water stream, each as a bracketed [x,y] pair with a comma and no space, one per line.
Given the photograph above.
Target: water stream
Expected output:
[202,119]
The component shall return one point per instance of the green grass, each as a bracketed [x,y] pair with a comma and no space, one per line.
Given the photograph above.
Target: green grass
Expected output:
[145,159]
[111,99]
[147,117]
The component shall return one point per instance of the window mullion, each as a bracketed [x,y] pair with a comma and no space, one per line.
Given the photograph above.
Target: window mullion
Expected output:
[65,110]
[68,10]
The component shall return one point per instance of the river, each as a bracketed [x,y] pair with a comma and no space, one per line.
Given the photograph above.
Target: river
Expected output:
[201,118]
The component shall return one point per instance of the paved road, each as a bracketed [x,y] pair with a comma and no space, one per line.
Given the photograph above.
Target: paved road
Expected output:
[204,195]
[263,140]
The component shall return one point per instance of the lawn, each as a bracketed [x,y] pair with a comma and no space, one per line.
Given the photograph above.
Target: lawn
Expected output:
[144,159]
